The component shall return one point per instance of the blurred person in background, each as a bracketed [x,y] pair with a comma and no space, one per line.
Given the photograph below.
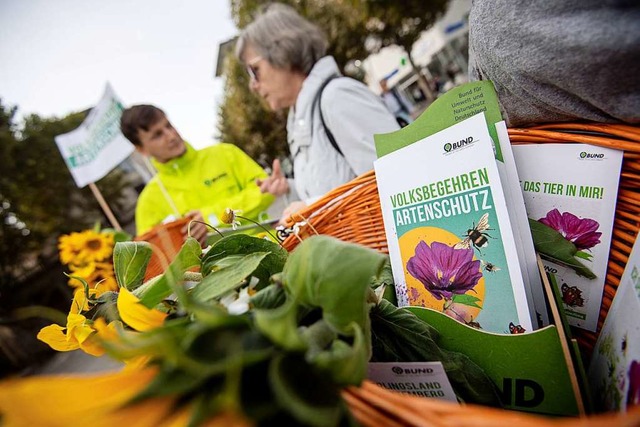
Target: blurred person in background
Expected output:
[199,184]
[396,103]
[332,119]
[556,61]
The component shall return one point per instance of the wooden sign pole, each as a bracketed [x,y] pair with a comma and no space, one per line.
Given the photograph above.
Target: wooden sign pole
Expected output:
[105,207]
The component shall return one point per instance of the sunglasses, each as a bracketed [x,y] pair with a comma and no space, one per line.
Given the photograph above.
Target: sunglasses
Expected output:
[251,70]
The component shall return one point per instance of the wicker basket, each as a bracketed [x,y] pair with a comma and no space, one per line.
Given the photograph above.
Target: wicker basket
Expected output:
[352,213]
[374,406]
[166,241]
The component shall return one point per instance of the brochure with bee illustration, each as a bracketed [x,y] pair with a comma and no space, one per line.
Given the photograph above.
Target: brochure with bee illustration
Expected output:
[614,373]
[451,243]
[570,193]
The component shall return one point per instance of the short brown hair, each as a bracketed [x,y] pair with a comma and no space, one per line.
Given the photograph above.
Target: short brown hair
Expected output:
[139,117]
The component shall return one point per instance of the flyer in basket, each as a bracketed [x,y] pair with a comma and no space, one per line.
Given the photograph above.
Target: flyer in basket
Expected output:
[451,244]
[614,373]
[454,106]
[570,193]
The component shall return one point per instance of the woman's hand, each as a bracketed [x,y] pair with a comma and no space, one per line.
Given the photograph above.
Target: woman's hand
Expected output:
[276,184]
[291,210]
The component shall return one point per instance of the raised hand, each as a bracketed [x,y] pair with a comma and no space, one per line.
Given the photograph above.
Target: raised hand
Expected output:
[275,184]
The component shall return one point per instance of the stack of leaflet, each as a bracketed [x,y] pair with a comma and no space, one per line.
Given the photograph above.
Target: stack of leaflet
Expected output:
[454,215]
[570,192]
[614,373]
[466,216]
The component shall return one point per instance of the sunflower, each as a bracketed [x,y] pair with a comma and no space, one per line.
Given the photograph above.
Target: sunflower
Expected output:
[86,271]
[95,246]
[85,247]
[69,246]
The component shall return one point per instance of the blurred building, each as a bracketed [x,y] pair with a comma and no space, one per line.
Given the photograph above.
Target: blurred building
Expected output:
[441,54]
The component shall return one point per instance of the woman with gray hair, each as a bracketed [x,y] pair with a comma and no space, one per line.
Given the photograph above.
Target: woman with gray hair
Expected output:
[332,119]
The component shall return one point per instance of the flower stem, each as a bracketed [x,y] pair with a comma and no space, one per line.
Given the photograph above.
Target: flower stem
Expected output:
[261,226]
[200,222]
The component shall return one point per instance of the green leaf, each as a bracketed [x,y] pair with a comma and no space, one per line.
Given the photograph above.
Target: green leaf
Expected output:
[385,278]
[584,255]
[346,363]
[189,256]
[270,297]
[400,336]
[466,299]
[130,261]
[335,276]
[281,325]
[241,244]
[118,235]
[552,246]
[228,278]
[305,393]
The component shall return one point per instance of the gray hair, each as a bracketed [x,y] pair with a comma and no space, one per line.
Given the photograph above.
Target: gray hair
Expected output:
[284,38]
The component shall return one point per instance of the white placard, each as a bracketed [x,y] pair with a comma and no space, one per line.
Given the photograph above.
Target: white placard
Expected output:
[97,146]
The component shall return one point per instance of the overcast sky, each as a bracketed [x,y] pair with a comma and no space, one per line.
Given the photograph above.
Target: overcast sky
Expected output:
[57,56]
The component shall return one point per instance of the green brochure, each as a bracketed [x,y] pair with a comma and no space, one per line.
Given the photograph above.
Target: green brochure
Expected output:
[451,108]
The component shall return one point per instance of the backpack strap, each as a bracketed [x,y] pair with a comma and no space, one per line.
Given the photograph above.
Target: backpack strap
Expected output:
[318,101]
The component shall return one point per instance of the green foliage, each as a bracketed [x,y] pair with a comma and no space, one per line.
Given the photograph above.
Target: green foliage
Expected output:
[401,23]
[39,201]
[246,122]
[398,335]
[36,188]
[244,119]
[132,259]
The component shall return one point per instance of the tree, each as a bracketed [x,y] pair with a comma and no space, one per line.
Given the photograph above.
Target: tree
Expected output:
[38,197]
[246,122]
[401,23]
[39,201]
[243,119]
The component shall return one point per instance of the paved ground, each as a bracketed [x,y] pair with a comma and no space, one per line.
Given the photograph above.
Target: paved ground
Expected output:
[72,362]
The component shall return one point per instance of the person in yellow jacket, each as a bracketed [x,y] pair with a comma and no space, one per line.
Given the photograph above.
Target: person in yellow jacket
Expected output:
[200,184]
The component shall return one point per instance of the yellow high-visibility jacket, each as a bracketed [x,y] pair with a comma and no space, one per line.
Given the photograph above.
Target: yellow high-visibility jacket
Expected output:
[210,180]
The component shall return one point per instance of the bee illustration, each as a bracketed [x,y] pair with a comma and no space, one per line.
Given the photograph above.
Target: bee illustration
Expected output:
[516,329]
[491,268]
[572,296]
[476,235]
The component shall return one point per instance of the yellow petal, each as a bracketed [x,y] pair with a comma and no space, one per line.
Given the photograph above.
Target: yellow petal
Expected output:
[58,403]
[136,315]
[77,328]
[57,339]
[106,332]
[80,302]
[92,346]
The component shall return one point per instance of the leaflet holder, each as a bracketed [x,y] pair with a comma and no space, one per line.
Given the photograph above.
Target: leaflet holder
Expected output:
[539,371]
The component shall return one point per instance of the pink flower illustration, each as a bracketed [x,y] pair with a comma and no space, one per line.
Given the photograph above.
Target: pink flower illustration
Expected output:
[443,270]
[580,232]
